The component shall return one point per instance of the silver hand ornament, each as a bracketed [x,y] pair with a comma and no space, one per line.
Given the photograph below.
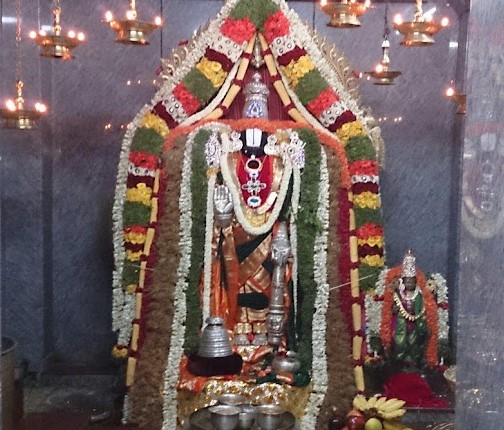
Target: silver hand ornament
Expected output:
[223,206]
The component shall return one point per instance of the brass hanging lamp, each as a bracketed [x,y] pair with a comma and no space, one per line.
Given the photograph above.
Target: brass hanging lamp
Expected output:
[381,74]
[132,31]
[421,30]
[344,13]
[16,114]
[56,44]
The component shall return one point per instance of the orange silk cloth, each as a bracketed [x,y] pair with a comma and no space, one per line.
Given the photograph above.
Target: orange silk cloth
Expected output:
[230,276]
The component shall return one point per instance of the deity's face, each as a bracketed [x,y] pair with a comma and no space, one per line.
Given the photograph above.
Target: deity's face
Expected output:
[409,283]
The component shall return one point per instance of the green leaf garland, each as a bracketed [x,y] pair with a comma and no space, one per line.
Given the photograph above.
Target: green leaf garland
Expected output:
[147,140]
[136,213]
[199,85]
[364,215]
[368,276]
[310,86]
[256,10]
[199,189]
[360,148]
[131,273]
[308,226]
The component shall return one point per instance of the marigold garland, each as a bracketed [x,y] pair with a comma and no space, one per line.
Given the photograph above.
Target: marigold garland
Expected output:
[276,25]
[367,200]
[323,101]
[213,71]
[154,122]
[238,30]
[349,130]
[296,69]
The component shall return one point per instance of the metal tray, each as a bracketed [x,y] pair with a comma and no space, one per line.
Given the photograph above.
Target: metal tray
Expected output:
[200,420]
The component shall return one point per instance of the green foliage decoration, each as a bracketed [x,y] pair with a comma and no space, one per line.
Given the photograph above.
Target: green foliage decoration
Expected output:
[147,140]
[256,10]
[199,188]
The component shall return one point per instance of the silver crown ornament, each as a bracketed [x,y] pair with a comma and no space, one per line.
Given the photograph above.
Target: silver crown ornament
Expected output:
[256,98]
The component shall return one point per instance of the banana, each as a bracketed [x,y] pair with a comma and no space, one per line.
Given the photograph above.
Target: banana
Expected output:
[397,413]
[394,425]
[360,403]
[372,402]
[392,405]
[380,402]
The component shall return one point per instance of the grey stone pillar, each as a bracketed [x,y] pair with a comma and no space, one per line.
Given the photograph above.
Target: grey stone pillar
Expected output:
[480,373]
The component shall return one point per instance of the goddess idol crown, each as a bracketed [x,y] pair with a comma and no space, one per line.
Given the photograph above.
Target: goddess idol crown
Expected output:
[408,265]
[256,98]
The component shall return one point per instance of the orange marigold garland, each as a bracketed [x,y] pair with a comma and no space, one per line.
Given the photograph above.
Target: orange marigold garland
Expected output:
[431,350]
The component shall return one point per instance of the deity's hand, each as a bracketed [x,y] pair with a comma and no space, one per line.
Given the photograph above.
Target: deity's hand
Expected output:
[223,205]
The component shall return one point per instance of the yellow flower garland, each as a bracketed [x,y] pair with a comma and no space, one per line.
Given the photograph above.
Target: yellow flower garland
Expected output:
[141,194]
[367,199]
[349,130]
[132,255]
[119,353]
[295,70]
[157,124]
[213,71]
[373,260]
[372,241]
[134,238]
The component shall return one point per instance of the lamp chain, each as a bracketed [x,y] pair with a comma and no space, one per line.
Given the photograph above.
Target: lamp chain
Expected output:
[386,30]
[418,16]
[18,41]
[57,17]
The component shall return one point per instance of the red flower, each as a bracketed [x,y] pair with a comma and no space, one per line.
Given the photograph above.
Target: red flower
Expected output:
[143,159]
[136,229]
[238,30]
[363,167]
[276,25]
[369,230]
[324,100]
[189,101]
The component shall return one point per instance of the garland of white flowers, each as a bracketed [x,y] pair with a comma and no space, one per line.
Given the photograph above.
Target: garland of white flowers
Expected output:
[235,193]
[296,187]
[319,325]
[171,375]
[373,309]
[442,297]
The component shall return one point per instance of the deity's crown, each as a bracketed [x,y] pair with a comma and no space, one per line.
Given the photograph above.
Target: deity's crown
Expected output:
[408,265]
[256,98]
